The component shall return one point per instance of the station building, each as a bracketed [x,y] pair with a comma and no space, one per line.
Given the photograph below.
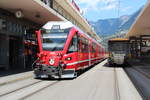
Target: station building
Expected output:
[20,18]
[139,35]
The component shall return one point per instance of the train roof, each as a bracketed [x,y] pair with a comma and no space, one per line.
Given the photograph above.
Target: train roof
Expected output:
[64,25]
[119,39]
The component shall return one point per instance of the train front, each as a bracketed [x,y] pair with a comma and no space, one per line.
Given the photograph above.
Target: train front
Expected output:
[118,51]
[51,44]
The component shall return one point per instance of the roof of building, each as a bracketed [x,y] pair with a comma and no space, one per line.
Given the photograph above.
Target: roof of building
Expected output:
[119,39]
[40,13]
[141,26]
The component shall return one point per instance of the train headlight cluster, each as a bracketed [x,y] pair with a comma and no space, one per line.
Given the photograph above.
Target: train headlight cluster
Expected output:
[51,61]
[69,58]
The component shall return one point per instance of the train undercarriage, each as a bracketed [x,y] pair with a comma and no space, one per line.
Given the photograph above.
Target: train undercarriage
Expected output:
[54,72]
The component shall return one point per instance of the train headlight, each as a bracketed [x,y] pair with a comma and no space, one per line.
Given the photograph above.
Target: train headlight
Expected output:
[51,61]
[69,58]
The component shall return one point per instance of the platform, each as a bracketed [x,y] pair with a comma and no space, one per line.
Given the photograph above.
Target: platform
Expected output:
[139,73]
[6,79]
[98,83]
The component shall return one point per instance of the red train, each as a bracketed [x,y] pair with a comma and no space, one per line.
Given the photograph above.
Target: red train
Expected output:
[64,50]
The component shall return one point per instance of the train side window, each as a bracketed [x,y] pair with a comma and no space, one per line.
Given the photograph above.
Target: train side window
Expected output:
[73,45]
[84,45]
[80,44]
[93,48]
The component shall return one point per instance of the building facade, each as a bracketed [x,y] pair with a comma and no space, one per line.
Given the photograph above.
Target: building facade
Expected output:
[20,18]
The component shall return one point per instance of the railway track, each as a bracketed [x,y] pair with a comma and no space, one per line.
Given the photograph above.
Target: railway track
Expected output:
[27,90]
[141,80]
[116,90]
[25,97]
[142,72]
[1,95]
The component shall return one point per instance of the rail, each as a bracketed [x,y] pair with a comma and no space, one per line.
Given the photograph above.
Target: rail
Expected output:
[38,86]
[141,81]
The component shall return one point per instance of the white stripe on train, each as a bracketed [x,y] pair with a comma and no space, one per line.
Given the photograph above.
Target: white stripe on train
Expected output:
[78,62]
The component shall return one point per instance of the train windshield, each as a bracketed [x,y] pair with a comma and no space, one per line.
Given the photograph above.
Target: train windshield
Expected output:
[54,40]
[119,46]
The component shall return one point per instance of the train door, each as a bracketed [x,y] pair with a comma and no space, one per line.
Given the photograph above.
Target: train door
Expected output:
[93,53]
[4,52]
[73,52]
[79,51]
[89,52]
[86,52]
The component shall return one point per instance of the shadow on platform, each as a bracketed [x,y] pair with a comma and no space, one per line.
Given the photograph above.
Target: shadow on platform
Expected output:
[4,72]
[117,66]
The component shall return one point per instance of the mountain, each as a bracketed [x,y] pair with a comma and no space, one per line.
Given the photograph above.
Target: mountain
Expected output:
[107,27]
[131,20]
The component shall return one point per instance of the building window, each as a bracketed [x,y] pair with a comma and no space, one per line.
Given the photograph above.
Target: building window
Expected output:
[48,3]
[2,24]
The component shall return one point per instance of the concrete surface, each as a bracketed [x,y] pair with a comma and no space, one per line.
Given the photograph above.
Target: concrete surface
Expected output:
[99,83]
[127,90]
[15,77]
[17,85]
[140,80]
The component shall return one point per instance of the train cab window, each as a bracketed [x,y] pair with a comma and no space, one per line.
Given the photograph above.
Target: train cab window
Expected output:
[73,45]
[54,39]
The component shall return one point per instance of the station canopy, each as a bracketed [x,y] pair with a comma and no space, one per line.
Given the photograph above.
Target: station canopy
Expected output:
[33,10]
[40,13]
[142,24]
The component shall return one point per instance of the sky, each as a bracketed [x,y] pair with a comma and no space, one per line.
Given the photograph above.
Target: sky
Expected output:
[102,9]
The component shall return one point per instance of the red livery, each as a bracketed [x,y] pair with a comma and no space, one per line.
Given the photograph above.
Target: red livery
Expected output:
[64,50]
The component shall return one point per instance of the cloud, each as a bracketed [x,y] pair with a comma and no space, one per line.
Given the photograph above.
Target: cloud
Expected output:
[110,6]
[97,5]
[89,2]
[125,9]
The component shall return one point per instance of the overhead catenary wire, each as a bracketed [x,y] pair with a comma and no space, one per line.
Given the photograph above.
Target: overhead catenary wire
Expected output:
[119,7]
[118,15]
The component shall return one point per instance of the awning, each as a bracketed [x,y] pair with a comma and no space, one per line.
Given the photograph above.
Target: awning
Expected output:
[34,10]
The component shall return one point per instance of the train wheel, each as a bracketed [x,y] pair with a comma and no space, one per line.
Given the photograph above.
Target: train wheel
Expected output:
[36,77]
[76,74]
[60,73]
[110,64]
[79,72]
